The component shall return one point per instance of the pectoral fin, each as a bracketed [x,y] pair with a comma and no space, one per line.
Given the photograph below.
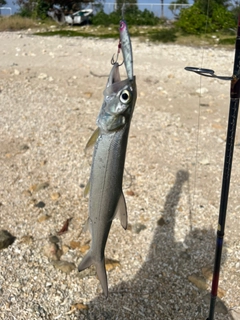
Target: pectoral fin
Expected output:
[87,189]
[92,139]
[122,211]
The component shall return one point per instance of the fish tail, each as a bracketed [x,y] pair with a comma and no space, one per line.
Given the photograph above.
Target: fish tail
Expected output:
[87,261]
[101,272]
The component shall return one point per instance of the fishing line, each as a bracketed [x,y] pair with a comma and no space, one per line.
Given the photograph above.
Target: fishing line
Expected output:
[198,123]
[123,9]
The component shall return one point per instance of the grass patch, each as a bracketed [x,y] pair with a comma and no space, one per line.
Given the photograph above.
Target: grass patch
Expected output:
[15,23]
[227,41]
[102,32]
[73,33]
[163,35]
[214,40]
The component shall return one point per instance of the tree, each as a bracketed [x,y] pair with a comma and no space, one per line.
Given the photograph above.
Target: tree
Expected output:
[234,7]
[207,7]
[39,8]
[2,3]
[176,6]
[130,6]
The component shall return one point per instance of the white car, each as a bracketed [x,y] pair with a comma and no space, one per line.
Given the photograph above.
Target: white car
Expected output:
[78,17]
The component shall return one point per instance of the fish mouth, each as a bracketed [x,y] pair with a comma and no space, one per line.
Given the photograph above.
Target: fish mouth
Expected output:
[114,83]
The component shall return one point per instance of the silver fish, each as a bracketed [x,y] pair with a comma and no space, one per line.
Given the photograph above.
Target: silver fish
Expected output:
[106,196]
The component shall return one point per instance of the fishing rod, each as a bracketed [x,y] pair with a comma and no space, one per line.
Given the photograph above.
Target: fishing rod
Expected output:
[231,132]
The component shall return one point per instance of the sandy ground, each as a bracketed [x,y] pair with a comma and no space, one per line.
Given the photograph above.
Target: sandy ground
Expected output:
[50,95]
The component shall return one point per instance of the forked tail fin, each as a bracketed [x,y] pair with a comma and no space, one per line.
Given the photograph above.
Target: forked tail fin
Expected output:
[87,261]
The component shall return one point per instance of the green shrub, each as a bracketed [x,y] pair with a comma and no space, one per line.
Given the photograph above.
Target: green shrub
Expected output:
[133,17]
[33,8]
[223,19]
[103,19]
[145,17]
[192,20]
[41,9]
[25,12]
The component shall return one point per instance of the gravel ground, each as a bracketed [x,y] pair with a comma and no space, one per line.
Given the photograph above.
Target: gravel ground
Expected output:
[160,268]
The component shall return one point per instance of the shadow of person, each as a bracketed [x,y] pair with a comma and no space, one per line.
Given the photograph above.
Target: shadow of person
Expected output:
[162,288]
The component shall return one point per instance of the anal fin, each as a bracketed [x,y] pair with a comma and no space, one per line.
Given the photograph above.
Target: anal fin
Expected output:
[122,211]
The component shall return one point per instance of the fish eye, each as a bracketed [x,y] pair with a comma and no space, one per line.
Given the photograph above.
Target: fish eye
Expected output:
[125,96]
[122,25]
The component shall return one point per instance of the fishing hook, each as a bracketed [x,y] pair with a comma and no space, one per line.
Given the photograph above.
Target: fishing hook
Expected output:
[115,61]
[207,73]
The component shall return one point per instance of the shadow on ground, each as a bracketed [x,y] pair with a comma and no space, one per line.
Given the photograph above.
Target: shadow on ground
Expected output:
[161,289]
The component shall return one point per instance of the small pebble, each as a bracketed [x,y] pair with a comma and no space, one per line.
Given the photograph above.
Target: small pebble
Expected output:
[75,244]
[161,222]
[53,239]
[26,239]
[6,239]
[52,251]
[42,76]
[55,196]
[64,266]
[43,218]
[130,193]
[199,282]
[40,204]
[207,272]
[39,186]
[111,264]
